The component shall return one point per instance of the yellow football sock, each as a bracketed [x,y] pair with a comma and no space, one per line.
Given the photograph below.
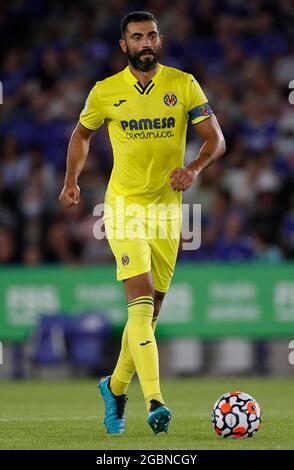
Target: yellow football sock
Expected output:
[140,322]
[125,367]
[155,396]
[142,344]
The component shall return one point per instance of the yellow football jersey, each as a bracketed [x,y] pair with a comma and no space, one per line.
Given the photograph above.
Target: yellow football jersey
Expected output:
[147,129]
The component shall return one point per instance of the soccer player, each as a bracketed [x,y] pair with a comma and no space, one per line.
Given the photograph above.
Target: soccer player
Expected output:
[147,106]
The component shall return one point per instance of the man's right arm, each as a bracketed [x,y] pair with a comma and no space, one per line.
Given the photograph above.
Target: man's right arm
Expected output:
[76,156]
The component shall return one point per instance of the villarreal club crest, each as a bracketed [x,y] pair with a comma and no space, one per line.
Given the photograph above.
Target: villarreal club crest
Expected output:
[170,99]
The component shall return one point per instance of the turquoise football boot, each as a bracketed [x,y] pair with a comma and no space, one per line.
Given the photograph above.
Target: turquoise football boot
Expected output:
[114,419]
[159,417]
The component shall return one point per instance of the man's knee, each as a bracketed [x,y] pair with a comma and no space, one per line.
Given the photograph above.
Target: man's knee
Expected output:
[138,286]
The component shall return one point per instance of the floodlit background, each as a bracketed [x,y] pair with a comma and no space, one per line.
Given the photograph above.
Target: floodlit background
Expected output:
[231,306]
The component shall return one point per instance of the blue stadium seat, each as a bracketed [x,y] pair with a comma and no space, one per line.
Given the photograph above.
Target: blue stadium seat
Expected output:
[87,336]
[48,343]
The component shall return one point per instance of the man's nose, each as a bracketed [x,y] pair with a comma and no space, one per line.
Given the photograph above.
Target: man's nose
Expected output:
[147,42]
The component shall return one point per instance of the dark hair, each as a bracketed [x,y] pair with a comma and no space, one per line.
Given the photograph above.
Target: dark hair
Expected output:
[137,17]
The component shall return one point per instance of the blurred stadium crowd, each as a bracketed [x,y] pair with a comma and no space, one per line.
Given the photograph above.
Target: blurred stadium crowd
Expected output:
[241,52]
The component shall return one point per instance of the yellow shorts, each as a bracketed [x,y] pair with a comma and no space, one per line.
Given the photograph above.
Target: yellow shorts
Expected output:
[142,245]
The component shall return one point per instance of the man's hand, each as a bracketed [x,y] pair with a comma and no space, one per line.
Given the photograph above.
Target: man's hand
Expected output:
[182,178]
[70,195]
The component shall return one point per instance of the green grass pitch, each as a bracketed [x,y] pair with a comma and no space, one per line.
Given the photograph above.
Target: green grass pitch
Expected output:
[69,415]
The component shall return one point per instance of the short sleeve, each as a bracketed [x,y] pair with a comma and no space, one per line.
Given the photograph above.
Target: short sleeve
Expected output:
[198,107]
[92,116]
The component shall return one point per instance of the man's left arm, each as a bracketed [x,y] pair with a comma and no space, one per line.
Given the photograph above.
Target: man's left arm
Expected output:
[214,147]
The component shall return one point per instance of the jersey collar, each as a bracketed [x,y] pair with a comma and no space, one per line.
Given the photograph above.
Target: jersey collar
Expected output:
[133,81]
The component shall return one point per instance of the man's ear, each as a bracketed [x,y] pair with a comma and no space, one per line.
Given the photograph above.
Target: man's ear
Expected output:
[123,45]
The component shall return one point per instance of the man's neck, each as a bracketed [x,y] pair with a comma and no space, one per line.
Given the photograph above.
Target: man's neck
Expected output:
[144,77]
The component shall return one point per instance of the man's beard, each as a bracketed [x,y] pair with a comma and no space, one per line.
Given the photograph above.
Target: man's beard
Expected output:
[143,65]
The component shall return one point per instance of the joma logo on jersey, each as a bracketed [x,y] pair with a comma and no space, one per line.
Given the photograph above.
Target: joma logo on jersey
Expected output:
[143,124]
[170,99]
